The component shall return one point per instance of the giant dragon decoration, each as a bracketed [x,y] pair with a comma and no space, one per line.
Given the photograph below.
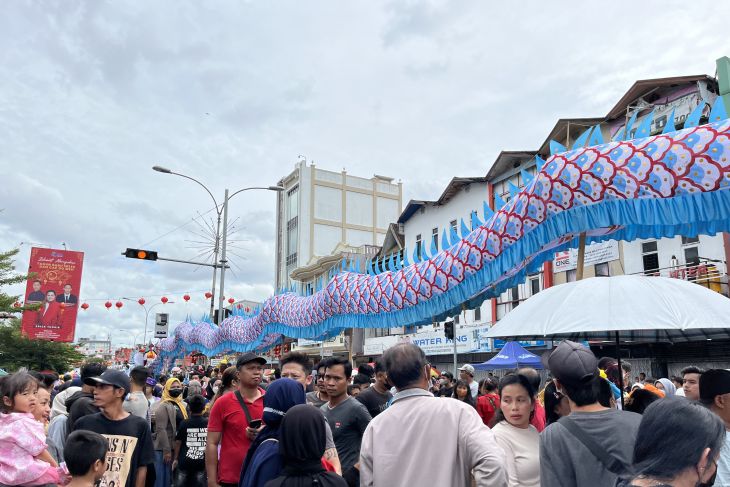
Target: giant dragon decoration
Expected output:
[674,183]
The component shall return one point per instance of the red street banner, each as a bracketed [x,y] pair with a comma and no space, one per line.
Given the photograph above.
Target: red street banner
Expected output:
[55,287]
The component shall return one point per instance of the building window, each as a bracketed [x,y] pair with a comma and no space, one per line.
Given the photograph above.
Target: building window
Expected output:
[435,238]
[478,314]
[692,256]
[515,296]
[602,270]
[571,275]
[650,257]
[419,246]
[534,285]
[690,240]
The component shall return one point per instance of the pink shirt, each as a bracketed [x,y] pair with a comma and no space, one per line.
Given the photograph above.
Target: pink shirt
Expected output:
[22,439]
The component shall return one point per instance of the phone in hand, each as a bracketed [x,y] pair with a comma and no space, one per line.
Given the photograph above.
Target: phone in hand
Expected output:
[255,424]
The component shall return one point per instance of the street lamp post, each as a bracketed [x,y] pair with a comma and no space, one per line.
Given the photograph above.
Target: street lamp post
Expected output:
[147,314]
[221,235]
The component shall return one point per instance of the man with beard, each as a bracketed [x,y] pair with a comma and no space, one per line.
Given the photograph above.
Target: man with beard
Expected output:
[377,397]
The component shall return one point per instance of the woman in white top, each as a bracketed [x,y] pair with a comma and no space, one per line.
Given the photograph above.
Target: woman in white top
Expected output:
[514,433]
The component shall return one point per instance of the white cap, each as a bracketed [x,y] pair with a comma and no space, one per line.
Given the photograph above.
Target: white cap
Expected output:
[468,369]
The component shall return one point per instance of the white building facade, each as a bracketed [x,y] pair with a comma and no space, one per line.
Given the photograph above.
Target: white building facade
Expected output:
[320,209]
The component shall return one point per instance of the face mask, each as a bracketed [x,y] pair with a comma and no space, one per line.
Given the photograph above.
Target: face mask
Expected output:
[175,392]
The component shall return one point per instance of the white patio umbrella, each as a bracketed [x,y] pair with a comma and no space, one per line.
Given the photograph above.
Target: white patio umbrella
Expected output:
[627,308]
[620,308]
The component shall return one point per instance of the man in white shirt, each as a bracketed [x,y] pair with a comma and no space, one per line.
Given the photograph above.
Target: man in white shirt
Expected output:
[395,448]
[466,373]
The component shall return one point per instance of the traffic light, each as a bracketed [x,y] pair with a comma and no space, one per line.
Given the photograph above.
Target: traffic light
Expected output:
[140,254]
[449,329]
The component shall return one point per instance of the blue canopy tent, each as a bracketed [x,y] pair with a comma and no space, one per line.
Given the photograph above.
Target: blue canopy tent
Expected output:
[512,356]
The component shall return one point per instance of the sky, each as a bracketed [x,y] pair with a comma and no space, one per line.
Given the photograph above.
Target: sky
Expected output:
[234,93]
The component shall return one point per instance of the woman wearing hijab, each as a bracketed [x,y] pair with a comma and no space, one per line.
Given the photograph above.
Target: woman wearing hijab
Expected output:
[168,414]
[301,446]
[666,386]
[263,462]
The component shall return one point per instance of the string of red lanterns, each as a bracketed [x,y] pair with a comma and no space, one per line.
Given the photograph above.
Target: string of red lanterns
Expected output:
[164,299]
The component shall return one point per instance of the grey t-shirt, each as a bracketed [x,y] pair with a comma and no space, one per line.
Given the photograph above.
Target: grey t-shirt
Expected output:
[313,398]
[137,404]
[348,421]
[565,462]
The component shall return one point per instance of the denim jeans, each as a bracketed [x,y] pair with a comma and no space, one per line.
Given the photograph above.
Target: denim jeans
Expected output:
[163,471]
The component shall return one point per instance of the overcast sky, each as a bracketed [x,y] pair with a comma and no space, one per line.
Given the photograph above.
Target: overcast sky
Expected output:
[92,94]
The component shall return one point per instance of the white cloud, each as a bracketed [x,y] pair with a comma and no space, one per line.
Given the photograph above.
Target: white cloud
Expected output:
[92,94]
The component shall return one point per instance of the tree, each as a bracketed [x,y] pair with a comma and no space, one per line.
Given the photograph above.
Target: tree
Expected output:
[7,277]
[17,351]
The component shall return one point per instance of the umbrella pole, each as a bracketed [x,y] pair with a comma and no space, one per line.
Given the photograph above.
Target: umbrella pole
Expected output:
[620,371]
[581,256]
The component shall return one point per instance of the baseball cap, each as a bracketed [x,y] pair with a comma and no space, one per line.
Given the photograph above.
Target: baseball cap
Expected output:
[714,382]
[115,378]
[249,357]
[572,363]
[468,369]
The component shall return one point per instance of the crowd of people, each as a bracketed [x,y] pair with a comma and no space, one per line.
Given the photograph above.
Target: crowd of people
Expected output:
[391,424]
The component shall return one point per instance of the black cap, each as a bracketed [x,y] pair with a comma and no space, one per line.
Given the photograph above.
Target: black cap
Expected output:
[249,357]
[573,364]
[714,382]
[116,378]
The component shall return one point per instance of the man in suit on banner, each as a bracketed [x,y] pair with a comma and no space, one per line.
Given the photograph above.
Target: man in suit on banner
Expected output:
[67,299]
[36,296]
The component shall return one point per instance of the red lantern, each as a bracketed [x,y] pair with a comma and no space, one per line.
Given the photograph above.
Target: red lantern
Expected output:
[108,304]
[141,301]
[247,309]
[238,306]
[163,299]
[119,304]
[186,298]
[16,305]
[208,295]
[85,306]
[231,300]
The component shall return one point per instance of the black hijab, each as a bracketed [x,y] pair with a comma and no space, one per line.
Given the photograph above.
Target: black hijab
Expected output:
[301,446]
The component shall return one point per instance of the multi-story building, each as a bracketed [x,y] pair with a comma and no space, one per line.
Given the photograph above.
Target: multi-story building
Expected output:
[702,259]
[320,209]
[95,347]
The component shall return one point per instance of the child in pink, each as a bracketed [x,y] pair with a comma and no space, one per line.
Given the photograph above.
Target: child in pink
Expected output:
[24,459]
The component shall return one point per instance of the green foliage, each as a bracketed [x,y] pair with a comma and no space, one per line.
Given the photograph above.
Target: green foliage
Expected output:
[8,277]
[17,351]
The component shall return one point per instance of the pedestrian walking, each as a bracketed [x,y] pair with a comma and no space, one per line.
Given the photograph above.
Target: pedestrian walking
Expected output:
[665,385]
[518,438]
[298,366]
[678,444]
[538,417]
[691,382]
[715,394]
[86,461]
[131,450]
[557,404]
[346,416]
[168,414]
[462,392]
[234,422]
[568,447]
[319,395]
[136,402]
[376,397]
[263,462]
[488,404]
[82,403]
[466,373]
[421,440]
[301,445]
[189,456]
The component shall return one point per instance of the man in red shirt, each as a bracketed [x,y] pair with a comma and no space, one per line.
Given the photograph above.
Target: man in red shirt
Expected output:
[228,426]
